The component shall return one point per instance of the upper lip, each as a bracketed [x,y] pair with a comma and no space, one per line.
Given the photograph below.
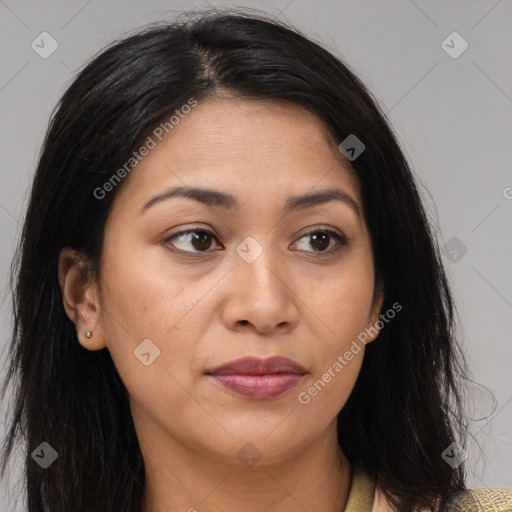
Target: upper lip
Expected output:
[259,366]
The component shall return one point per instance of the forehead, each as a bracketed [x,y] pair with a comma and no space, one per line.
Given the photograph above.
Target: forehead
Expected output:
[249,148]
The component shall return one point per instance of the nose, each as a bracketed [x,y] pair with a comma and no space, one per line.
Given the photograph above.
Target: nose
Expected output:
[262,296]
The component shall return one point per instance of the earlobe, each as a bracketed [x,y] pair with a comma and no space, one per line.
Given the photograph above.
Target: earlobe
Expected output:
[80,298]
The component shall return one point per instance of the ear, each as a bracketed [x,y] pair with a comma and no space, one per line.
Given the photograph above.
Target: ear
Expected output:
[373,328]
[80,297]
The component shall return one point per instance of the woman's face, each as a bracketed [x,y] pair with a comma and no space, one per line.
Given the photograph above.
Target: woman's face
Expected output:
[248,280]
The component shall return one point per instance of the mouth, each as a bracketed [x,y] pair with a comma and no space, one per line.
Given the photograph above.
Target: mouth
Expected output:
[258,379]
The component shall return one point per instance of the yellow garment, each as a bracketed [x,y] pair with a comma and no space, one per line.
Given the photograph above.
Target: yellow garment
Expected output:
[480,500]
[362,495]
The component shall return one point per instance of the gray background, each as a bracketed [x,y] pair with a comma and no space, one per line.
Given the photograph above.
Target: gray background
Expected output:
[453,117]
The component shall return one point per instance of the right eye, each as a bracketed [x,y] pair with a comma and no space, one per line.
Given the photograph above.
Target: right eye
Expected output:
[199,239]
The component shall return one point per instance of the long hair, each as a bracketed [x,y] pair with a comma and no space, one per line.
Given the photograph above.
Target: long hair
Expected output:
[405,408]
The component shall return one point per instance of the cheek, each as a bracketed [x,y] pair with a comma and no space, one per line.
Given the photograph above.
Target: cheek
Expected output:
[343,307]
[343,301]
[141,301]
[151,328]
[325,393]
[339,353]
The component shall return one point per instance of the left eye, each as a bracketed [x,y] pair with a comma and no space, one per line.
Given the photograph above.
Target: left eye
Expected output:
[202,240]
[321,240]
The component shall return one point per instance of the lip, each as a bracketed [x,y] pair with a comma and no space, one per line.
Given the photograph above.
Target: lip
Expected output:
[259,379]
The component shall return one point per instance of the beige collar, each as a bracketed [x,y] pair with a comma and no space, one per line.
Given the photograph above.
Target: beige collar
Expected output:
[364,497]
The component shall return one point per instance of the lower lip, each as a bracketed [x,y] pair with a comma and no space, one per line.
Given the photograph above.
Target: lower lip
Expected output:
[259,387]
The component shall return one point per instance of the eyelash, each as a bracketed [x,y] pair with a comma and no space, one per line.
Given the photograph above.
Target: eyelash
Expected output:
[342,241]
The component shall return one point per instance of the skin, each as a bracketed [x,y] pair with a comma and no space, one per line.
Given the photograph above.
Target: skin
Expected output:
[202,312]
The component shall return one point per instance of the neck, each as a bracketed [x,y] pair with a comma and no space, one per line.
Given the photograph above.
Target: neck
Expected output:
[180,478]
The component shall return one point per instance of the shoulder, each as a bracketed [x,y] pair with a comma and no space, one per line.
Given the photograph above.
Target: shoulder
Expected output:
[477,500]
[481,500]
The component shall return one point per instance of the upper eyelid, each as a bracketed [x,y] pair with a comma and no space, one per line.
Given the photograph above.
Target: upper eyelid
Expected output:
[313,229]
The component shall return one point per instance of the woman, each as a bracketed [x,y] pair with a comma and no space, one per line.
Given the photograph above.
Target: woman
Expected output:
[228,296]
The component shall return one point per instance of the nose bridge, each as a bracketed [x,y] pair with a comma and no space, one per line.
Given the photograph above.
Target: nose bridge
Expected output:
[260,293]
[258,265]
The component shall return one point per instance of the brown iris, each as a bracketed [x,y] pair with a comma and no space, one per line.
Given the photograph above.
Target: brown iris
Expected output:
[320,238]
[201,240]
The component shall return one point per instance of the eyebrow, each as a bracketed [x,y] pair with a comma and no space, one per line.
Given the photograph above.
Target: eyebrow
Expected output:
[215,198]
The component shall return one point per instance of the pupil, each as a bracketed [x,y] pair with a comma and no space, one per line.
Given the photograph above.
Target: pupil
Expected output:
[321,239]
[200,239]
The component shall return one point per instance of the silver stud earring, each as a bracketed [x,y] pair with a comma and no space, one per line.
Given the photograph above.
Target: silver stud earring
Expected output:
[88,334]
